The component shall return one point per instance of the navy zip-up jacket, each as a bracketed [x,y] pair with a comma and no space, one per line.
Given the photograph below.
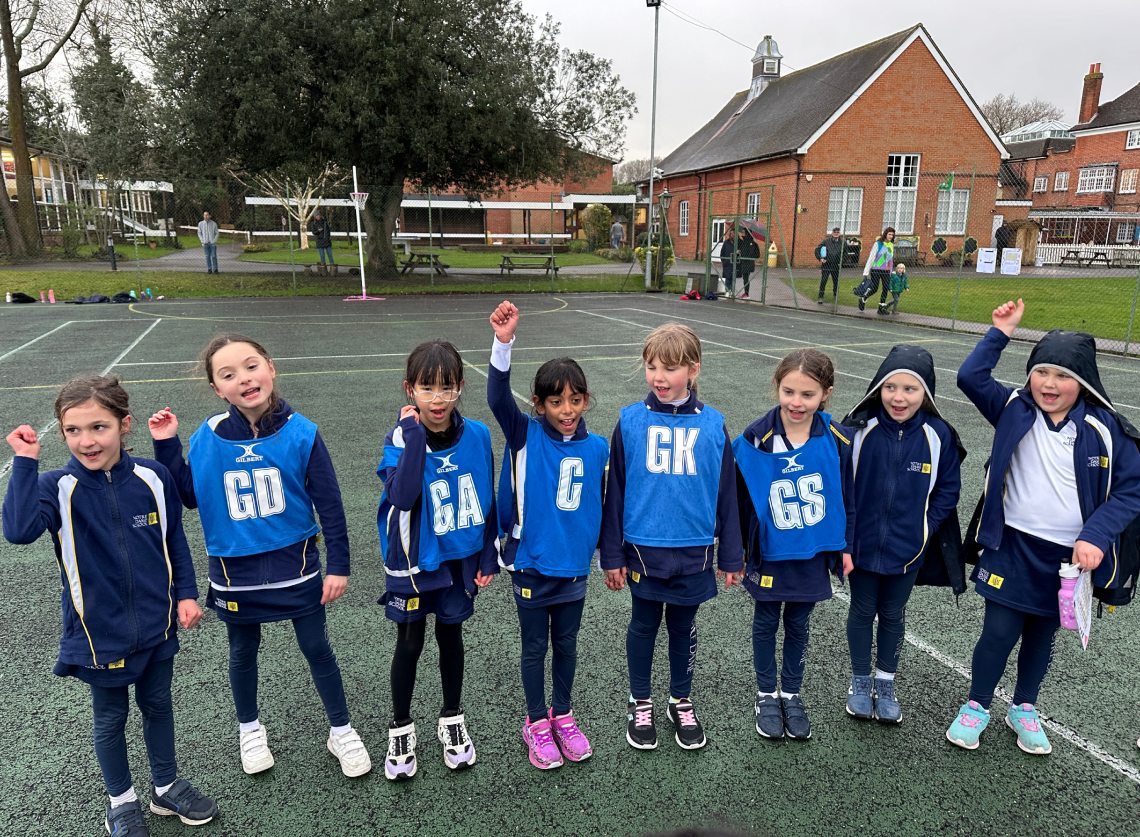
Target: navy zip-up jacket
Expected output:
[1106,460]
[764,428]
[403,491]
[295,560]
[665,562]
[123,559]
[900,512]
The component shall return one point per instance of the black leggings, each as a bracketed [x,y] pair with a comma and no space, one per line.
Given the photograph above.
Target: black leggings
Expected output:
[409,646]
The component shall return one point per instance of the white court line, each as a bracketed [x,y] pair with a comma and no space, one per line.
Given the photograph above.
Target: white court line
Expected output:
[47,427]
[482,372]
[1096,751]
[36,340]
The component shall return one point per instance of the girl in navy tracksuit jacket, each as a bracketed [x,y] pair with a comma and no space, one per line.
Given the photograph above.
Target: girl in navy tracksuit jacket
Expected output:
[794,470]
[670,506]
[256,473]
[439,541]
[551,508]
[907,464]
[127,583]
[1063,481]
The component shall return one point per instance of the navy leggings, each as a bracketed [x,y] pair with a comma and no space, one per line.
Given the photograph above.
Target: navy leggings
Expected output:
[886,596]
[640,639]
[765,622]
[313,639]
[559,622]
[406,659]
[1001,628]
[111,704]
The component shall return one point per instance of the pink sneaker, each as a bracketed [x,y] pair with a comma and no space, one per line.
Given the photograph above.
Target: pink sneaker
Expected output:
[543,752]
[571,741]
[1066,604]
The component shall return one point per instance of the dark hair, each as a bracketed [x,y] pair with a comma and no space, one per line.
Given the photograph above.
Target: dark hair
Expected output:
[104,390]
[883,237]
[812,362]
[206,360]
[435,362]
[555,375]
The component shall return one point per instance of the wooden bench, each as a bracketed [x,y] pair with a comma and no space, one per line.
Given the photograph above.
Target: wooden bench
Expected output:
[428,260]
[908,248]
[1078,258]
[1126,258]
[547,264]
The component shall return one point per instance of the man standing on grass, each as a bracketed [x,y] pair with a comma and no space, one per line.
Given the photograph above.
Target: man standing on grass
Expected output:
[322,236]
[617,234]
[208,235]
[830,254]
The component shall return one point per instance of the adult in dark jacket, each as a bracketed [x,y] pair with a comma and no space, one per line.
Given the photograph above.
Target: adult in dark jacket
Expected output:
[321,231]
[728,259]
[907,463]
[830,254]
[747,252]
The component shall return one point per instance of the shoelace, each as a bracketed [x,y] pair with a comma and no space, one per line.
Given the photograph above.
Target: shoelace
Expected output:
[456,735]
[643,716]
[688,716]
[399,746]
[568,728]
[541,734]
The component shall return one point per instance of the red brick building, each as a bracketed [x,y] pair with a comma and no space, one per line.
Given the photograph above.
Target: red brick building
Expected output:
[862,141]
[1085,190]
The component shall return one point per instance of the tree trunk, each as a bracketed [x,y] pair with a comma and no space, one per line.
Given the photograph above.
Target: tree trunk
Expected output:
[378,245]
[16,244]
[28,224]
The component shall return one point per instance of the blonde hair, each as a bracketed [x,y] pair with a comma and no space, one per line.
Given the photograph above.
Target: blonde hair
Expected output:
[672,344]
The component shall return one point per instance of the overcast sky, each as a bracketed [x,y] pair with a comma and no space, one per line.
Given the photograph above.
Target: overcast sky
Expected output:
[1038,49]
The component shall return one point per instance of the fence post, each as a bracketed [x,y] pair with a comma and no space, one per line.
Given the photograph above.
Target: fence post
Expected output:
[289,221]
[1132,314]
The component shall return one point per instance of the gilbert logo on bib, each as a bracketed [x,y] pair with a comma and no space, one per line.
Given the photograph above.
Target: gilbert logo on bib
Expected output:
[791,465]
[247,454]
[445,464]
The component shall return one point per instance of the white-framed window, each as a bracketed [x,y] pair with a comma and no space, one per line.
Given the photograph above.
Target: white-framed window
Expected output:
[953,207]
[1132,140]
[717,230]
[1096,179]
[1040,183]
[125,201]
[753,205]
[1128,181]
[1061,182]
[902,192]
[1124,232]
[770,66]
[683,216]
[845,210]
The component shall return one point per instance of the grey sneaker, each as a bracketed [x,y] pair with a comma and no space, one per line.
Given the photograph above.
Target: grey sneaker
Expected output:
[887,707]
[860,703]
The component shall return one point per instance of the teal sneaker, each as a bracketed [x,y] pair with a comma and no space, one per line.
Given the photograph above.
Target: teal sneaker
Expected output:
[968,727]
[1024,720]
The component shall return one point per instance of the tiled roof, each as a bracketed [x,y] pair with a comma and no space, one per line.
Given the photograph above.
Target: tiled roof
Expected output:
[1123,110]
[1037,148]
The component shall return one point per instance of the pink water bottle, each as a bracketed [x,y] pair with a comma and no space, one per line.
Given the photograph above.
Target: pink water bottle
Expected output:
[51,295]
[43,297]
[1070,575]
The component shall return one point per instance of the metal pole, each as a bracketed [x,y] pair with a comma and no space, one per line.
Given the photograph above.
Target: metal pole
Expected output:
[431,269]
[289,219]
[359,236]
[652,161]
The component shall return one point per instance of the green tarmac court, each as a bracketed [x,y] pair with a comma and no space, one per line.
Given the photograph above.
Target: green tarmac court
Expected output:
[341,364]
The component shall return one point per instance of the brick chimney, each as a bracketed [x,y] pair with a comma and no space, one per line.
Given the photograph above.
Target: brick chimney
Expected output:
[1090,94]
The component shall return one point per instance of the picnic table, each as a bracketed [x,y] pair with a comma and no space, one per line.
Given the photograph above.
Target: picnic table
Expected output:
[1126,258]
[428,260]
[1086,257]
[513,262]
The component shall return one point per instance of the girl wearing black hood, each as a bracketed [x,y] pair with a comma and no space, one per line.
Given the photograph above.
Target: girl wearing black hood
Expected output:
[1062,483]
[907,463]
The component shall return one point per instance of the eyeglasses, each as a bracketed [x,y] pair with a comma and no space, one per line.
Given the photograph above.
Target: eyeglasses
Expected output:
[428,394]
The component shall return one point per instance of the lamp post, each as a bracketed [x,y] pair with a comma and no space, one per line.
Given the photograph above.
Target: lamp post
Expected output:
[663,200]
[656,6]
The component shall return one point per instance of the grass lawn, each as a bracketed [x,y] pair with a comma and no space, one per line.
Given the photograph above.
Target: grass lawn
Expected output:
[126,251]
[346,254]
[1100,305]
[176,284]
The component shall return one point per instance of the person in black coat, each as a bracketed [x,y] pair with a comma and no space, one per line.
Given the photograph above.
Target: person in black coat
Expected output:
[747,252]
[830,254]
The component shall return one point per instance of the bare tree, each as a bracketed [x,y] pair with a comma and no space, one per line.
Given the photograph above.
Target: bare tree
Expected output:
[1005,112]
[299,195]
[631,171]
[48,36]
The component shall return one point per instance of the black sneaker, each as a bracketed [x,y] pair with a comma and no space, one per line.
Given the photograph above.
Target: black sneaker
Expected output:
[640,731]
[186,801]
[126,820]
[796,723]
[769,716]
[690,734]
[862,304]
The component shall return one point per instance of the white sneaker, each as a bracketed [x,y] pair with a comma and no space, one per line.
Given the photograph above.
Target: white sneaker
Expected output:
[349,750]
[458,751]
[729,295]
[401,760]
[255,754]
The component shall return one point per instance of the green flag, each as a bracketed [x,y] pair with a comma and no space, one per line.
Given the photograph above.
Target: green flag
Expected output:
[947,184]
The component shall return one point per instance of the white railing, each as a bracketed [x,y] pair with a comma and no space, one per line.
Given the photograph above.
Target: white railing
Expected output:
[1051,254]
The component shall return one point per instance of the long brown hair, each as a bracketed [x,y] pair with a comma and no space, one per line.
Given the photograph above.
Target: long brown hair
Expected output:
[206,361]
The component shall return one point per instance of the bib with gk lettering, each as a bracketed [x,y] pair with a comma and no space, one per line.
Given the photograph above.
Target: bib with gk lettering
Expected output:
[558,489]
[672,475]
[251,494]
[798,496]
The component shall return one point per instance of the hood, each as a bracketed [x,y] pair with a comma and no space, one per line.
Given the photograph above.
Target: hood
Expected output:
[914,360]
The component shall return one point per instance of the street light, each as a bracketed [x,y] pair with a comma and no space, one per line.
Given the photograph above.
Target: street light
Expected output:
[656,6]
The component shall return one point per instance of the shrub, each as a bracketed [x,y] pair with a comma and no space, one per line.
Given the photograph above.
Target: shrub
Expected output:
[658,253]
[596,221]
[254,248]
[621,254]
[579,245]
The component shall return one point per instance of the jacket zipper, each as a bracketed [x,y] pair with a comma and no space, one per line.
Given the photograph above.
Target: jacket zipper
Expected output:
[884,528]
[128,575]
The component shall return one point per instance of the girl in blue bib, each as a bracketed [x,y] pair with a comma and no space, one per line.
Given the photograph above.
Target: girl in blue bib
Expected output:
[670,510]
[551,507]
[794,466]
[439,542]
[261,477]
